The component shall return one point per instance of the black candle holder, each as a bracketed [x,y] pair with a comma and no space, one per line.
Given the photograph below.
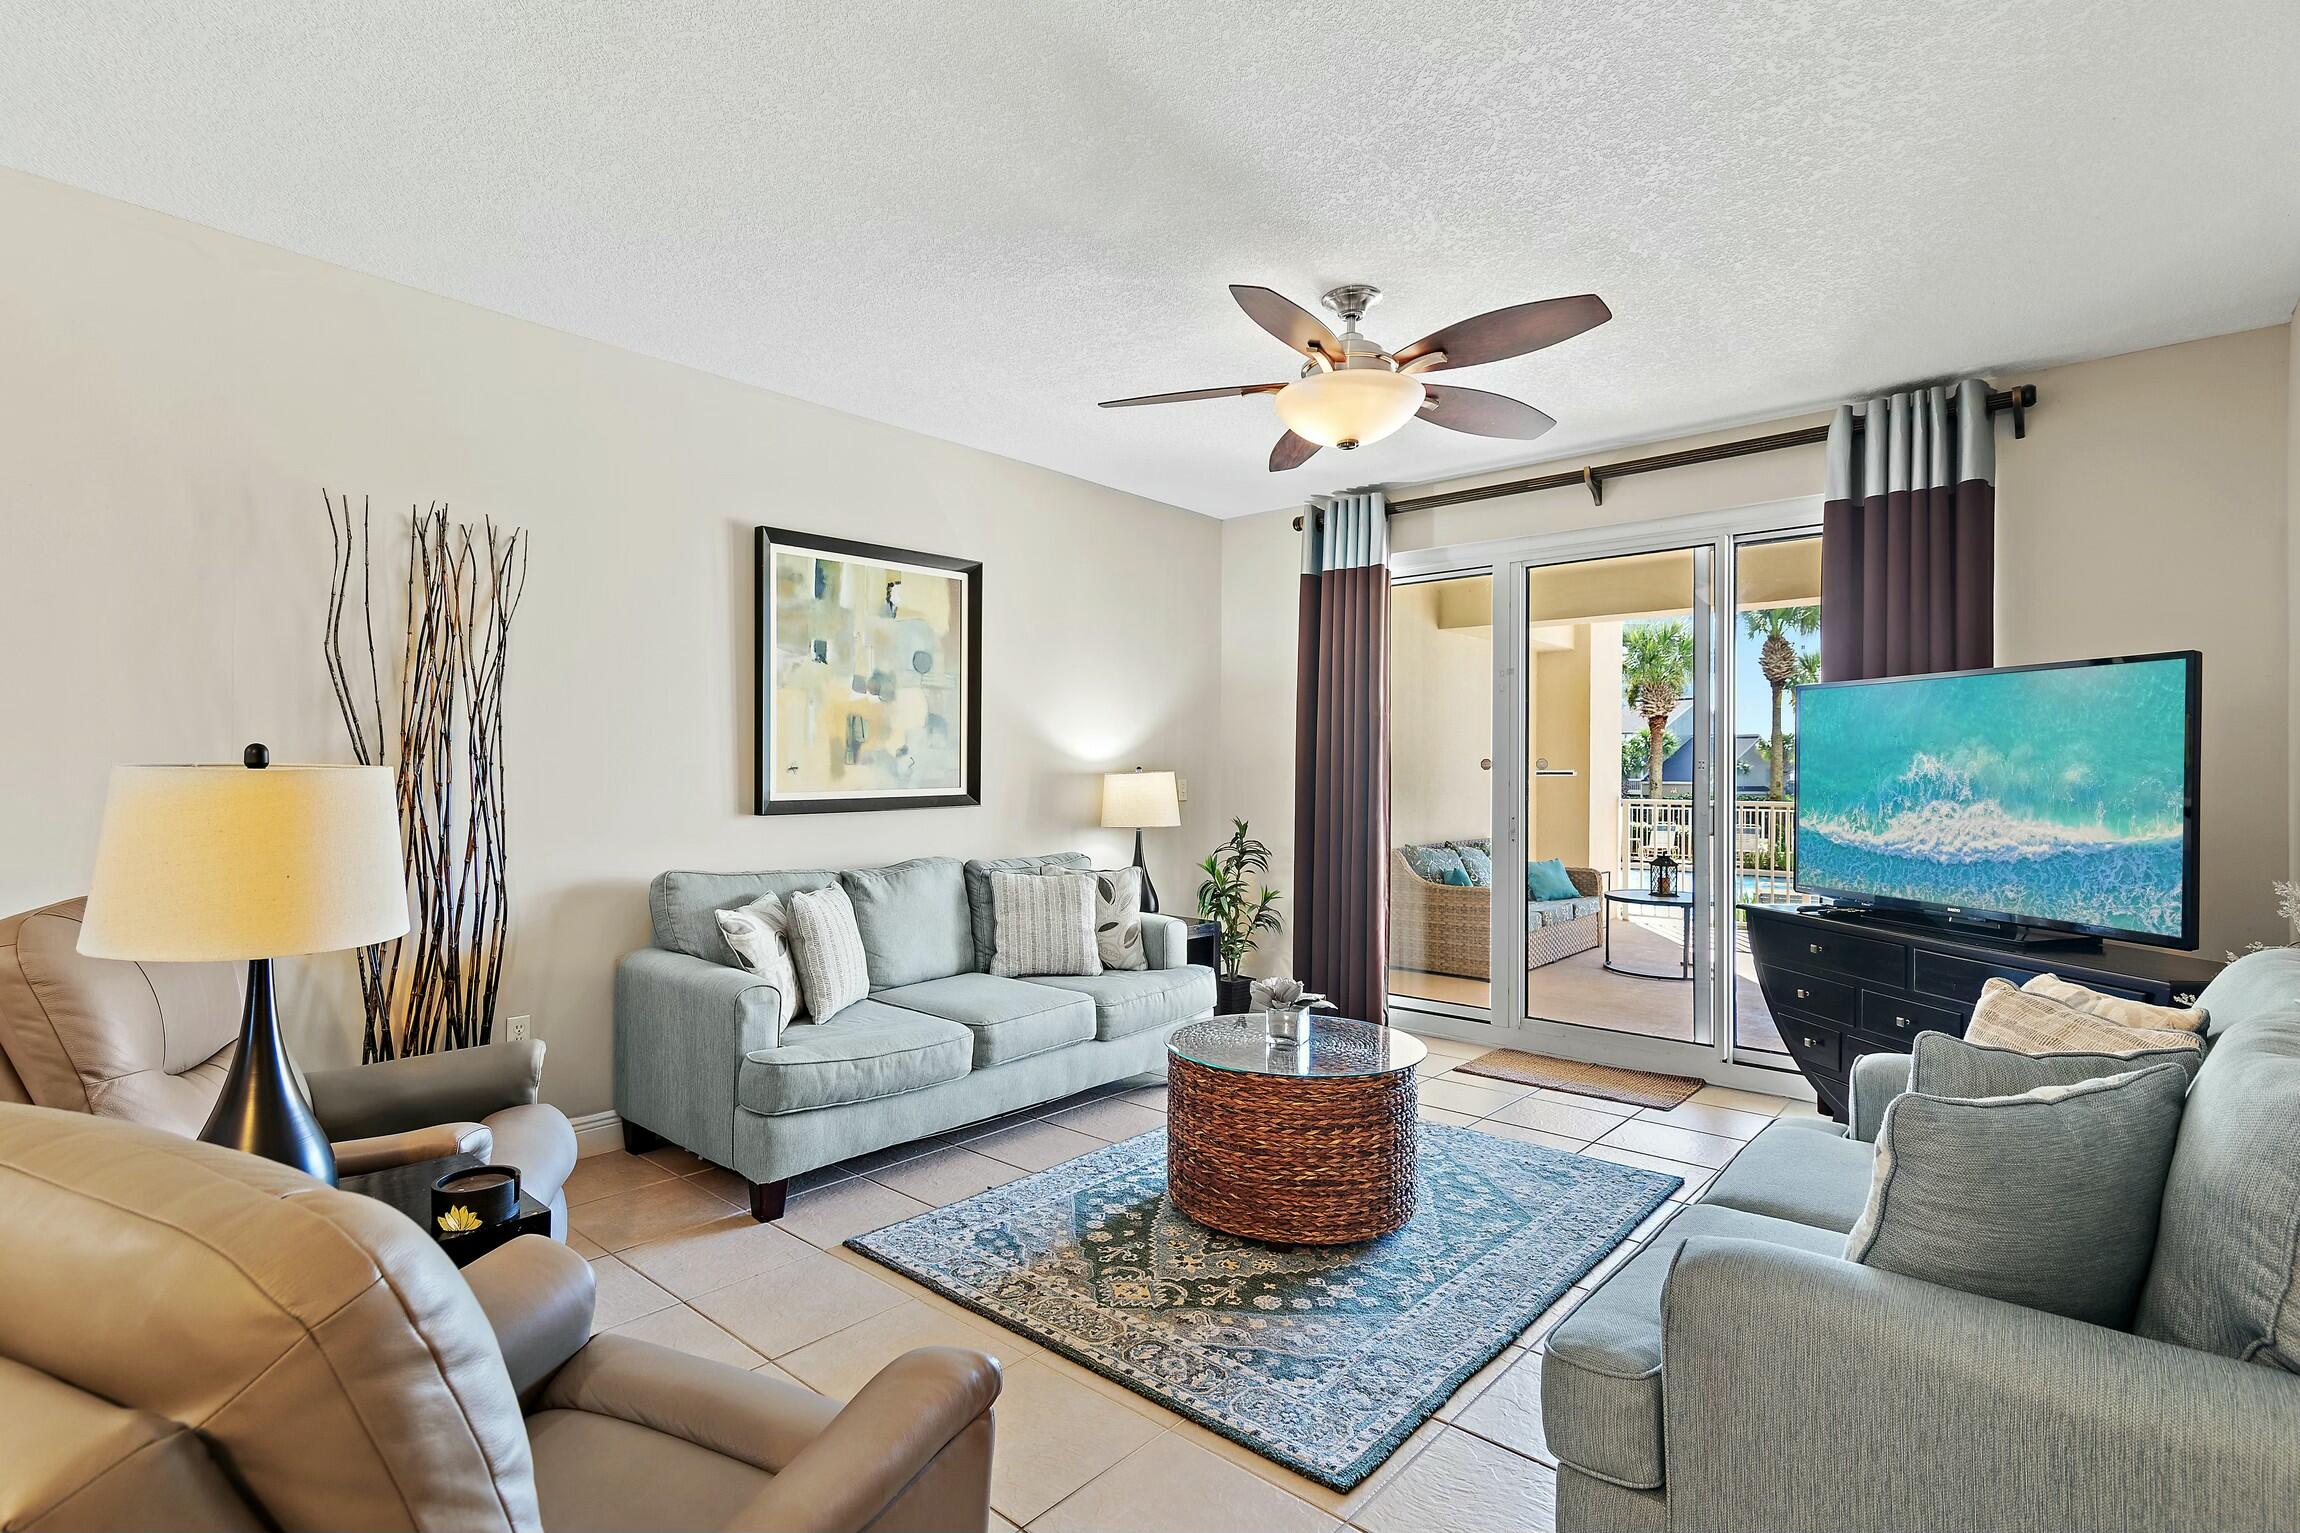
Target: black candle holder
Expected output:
[490,1194]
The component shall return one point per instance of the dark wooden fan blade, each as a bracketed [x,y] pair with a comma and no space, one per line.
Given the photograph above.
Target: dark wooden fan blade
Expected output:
[1291,452]
[1288,321]
[1482,414]
[1168,399]
[1510,332]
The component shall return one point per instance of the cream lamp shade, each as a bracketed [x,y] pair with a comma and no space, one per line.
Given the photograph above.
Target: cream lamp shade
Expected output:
[199,863]
[1139,800]
[1346,408]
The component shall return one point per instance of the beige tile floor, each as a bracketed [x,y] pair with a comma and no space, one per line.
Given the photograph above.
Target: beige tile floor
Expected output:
[681,1263]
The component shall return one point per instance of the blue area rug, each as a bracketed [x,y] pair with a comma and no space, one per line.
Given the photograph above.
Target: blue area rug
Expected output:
[1322,1358]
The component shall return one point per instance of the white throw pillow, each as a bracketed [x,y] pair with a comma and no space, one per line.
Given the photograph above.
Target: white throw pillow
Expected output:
[1118,919]
[828,950]
[1043,923]
[758,936]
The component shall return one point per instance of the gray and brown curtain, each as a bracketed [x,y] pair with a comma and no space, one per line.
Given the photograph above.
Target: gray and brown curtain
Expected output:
[1908,536]
[1342,755]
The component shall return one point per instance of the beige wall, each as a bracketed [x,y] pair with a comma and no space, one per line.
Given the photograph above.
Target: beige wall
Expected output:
[1441,712]
[2148,508]
[171,402]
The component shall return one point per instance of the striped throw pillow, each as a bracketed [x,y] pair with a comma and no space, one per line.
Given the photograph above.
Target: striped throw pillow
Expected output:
[2008,1017]
[1044,924]
[827,949]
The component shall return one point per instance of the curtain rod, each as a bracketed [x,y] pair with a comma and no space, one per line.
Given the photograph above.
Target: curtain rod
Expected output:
[2019,399]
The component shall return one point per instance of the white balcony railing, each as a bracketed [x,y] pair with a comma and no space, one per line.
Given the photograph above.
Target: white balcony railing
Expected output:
[1764,850]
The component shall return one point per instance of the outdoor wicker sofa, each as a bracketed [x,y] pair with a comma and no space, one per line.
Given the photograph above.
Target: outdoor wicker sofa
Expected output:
[1441,928]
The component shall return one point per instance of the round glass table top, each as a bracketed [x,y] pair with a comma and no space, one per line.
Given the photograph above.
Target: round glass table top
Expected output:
[1337,1048]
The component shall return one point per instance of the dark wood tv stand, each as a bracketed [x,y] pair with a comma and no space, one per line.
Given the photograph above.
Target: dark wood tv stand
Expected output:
[1839,988]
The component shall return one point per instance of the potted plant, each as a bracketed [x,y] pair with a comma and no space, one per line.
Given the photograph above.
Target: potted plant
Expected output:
[1242,915]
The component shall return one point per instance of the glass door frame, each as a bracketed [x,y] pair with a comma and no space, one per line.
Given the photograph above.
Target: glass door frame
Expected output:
[1716,538]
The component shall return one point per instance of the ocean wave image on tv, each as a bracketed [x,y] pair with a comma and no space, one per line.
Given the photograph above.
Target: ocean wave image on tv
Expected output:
[2053,794]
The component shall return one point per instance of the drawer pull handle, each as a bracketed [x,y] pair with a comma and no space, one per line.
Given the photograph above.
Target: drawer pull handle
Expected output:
[1803,994]
[1900,1021]
[1812,1043]
[1813,948]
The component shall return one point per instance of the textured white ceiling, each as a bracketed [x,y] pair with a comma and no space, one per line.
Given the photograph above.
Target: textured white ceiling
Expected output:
[977,219]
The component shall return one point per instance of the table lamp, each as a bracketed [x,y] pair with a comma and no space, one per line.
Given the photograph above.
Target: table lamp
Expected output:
[199,864]
[1137,800]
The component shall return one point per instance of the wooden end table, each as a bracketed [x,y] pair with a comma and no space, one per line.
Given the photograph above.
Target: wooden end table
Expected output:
[408,1189]
[1296,1144]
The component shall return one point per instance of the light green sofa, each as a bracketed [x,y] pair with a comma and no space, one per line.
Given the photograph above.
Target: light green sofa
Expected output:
[940,1042]
[1739,1373]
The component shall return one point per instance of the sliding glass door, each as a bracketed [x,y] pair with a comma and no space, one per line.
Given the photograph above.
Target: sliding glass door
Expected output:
[1628,788]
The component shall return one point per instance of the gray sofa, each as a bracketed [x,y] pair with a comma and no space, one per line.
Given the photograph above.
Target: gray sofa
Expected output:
[940,1042]
[1739,1373]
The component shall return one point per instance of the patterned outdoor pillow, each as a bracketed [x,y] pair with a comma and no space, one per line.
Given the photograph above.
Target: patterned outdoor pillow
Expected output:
[1477,860]
[757,935]
[2121,1010]
[1044,924]
[1118,919]
[2047,1199]
[827,949]
[2011,1018]
[1430,862]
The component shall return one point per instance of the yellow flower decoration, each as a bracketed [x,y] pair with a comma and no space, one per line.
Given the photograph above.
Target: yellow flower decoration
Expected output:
[458,1220]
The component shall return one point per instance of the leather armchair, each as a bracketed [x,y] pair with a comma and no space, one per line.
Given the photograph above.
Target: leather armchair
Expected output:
[151,1043]
[194,1338]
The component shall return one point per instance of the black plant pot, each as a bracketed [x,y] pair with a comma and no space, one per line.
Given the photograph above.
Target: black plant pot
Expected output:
[1233,995]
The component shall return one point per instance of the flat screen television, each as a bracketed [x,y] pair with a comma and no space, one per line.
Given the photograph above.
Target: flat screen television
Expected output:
[2057,796]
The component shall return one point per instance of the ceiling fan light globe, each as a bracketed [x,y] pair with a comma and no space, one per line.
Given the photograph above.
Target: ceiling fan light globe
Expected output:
[1349,407]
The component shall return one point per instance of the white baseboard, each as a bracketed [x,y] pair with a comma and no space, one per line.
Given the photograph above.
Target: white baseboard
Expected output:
[596,1133]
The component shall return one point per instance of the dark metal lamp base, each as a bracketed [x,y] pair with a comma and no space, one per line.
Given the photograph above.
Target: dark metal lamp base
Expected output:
[262,1110]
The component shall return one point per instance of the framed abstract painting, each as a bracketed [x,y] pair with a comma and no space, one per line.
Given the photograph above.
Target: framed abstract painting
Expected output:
[869,675]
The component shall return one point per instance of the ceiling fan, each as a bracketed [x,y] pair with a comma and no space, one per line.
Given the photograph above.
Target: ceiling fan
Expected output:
[1352,392]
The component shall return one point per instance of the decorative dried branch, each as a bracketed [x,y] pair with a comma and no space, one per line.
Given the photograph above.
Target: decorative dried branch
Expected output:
[463,589]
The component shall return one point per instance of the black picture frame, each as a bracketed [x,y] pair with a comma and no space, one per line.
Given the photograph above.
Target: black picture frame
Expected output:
[767,542]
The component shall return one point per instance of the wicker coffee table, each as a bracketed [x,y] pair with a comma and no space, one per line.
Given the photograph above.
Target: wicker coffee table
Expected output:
[1297,1144]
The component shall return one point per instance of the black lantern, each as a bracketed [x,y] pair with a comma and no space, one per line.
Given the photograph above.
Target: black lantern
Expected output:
[1663,868]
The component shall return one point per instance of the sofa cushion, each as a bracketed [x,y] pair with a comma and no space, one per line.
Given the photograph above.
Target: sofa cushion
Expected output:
[685,906]
[2006,1017]
[1127,1002]
[1559,912]
[871,1050]
[2223,1279]
[913,920]
[2047,1200]
[1944,1065]
[1010,1018]
[979,913]
[1601,1380]
[1790,1173]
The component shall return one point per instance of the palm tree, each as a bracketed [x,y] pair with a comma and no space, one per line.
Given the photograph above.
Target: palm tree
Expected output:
[1656,665]
[1782,663]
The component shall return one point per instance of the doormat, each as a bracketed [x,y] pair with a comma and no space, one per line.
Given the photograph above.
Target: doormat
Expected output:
[1639,1088]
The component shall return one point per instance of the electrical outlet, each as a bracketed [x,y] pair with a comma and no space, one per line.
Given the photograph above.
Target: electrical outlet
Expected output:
[520,1031]
[1181,788]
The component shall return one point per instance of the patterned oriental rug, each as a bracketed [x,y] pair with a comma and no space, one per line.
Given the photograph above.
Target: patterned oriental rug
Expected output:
[1324,1359]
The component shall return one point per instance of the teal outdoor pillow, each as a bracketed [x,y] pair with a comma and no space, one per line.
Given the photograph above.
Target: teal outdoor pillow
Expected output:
[1456,877]
[1548,880]
[2048,1199]
[1430,863]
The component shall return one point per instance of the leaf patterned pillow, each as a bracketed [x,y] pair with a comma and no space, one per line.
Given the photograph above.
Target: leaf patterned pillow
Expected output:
[1118,919]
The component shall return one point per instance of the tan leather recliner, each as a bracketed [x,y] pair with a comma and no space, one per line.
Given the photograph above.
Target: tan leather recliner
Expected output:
[151,1043]
[194,1338]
